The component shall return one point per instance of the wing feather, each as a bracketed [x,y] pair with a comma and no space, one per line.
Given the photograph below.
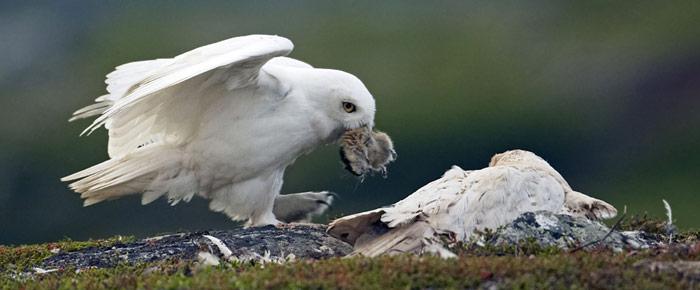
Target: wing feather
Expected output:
[118,83]
[498,195]
[156,100]
[246,52]
[432,200]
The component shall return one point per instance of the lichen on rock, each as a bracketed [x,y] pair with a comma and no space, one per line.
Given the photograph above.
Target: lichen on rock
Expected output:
[263,244]
[547,229]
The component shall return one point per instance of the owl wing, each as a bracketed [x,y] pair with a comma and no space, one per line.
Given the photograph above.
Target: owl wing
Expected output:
[160,100]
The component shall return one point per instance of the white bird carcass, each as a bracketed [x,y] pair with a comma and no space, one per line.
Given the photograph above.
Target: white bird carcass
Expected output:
[222,121]
[463,201]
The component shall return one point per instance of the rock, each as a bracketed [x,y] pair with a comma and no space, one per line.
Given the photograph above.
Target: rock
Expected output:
[265,244]
[547,229]
[271,244]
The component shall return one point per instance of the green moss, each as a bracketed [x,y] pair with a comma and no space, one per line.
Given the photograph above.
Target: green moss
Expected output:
[526,247]
[21,257]
[521,266]
[644,222]
[657,226]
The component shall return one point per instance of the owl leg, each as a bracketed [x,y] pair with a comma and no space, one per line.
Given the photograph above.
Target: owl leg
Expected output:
[301,207]
[250,200]
[267,218]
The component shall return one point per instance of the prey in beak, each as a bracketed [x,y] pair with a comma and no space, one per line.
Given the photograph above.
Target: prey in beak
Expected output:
[365,151]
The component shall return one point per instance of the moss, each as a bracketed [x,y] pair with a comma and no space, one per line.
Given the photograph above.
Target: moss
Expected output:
[524,248]
[520,266]
[659,228]
[644,222]
[19,258]
[576,271]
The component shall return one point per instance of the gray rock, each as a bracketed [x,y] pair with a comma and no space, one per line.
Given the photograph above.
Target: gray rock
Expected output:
[271,244]
[566,232]
[266,244]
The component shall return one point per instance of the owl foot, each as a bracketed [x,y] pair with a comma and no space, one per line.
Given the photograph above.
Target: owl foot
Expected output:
[301,207]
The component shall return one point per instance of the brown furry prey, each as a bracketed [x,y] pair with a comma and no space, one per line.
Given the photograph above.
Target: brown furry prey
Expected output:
[365,151]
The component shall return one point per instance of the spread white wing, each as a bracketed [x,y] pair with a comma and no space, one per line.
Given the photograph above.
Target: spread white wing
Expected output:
[158,100]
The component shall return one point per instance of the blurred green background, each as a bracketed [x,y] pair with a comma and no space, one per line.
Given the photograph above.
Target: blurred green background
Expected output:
[608,92]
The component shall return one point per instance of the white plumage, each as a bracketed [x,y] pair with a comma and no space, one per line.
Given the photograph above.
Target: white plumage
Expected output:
[462,201]
[222,121]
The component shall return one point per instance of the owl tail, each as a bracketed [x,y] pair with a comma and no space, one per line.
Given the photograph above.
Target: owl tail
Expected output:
[142,171]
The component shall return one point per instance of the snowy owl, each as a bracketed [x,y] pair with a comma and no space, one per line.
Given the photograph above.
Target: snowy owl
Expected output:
[462,201]
[223,121]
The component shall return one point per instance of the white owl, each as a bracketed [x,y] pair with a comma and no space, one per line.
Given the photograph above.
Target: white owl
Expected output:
[462,201]
[223,122]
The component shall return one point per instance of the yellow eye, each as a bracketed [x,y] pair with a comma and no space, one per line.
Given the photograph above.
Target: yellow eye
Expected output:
[349,107]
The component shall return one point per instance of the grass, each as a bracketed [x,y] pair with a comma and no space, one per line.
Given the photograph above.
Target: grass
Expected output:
[24,257]
[518,266]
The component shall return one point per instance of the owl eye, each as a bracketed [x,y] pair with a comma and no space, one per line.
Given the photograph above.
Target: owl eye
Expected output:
[349,107]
